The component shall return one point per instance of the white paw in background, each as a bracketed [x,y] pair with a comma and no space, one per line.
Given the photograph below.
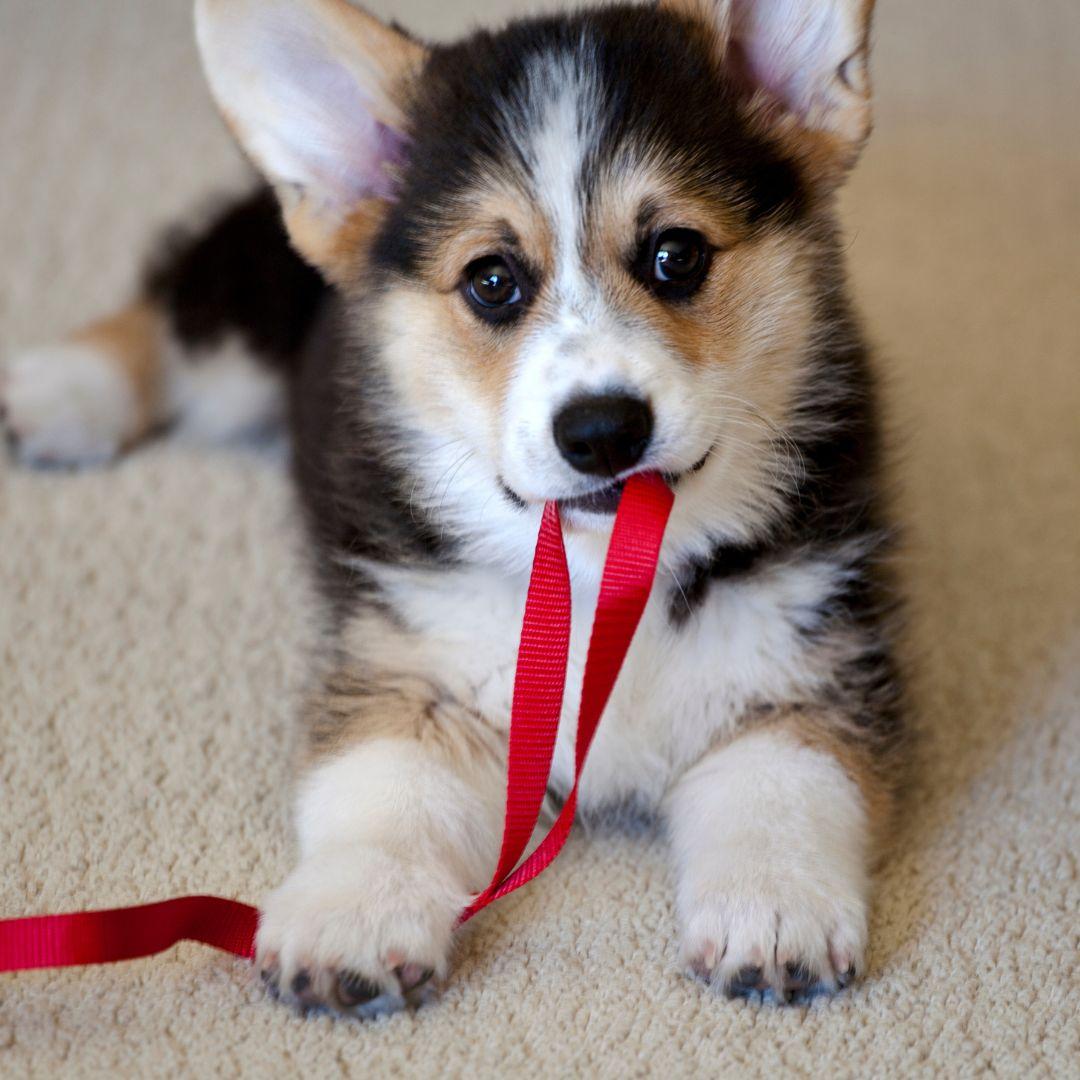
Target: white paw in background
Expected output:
[768,931]
[66,404]
[357,931]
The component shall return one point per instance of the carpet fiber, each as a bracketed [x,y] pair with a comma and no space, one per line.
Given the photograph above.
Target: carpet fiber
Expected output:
[154,624]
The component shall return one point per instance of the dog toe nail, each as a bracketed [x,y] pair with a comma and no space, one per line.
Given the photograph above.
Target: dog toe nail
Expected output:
[747,982]
[412,976]
[354,989]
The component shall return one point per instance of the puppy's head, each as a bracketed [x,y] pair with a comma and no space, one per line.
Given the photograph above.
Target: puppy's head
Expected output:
[583,246]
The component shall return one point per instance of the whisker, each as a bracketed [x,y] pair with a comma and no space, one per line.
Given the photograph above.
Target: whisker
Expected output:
[460,464]
[417,477]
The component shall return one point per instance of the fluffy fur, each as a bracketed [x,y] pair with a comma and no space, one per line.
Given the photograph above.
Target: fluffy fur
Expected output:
[759,709]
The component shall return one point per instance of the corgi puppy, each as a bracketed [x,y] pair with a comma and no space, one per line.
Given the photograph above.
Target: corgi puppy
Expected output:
[515,269]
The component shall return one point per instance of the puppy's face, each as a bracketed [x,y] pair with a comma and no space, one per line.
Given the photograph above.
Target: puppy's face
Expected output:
[611,281]
[597,255]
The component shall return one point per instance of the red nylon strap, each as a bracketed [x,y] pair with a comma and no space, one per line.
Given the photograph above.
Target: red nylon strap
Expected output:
[93,937]
[539,682]
[624,590]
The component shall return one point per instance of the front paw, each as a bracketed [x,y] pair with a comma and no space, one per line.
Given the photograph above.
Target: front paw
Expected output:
[771,933]
[357,931]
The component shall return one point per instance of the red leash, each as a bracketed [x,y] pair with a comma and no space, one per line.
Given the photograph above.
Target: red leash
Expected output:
[541,669]
[94,937]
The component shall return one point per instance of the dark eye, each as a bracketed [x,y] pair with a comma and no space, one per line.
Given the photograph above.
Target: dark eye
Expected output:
[492,287]
[678,262]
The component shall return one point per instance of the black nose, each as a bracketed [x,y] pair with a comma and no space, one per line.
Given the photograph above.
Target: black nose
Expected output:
[604,434]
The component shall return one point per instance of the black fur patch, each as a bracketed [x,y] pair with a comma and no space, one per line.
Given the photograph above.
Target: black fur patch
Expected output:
[694,581]
[238,275]
[658,89]
[356,495]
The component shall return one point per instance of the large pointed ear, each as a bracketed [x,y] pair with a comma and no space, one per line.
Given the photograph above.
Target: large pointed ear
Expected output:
[314,92]
[806,64]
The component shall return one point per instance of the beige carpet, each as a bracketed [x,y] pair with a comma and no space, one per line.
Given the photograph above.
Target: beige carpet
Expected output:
[153,626]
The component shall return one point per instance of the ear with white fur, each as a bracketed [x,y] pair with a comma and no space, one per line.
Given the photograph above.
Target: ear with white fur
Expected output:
[807,61]
[313,91]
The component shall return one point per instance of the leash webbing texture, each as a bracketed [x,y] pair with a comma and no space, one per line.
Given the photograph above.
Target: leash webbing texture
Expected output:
[93,937]
[629,570]
[539,684]
[98,937]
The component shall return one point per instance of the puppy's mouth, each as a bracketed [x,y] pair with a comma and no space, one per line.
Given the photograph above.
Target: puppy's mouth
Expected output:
[605,500]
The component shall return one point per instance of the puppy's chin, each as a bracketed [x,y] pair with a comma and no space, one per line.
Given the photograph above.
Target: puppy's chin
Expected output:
[589,521]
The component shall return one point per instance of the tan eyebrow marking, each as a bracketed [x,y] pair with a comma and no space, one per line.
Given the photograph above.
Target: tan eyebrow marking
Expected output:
[490,221]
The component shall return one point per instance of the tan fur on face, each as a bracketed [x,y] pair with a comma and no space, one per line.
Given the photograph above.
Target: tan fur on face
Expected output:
[440,355]
[753,308]
[432,337]
[635,198]
[499,217]
[753,303]
[754,291]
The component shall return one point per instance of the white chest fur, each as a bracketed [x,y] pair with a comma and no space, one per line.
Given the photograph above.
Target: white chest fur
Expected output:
[681,688]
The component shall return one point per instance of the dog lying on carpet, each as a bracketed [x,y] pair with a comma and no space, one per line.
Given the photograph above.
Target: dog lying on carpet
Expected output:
[516,269]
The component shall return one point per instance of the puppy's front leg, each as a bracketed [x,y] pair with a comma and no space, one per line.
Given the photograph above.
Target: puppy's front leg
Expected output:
[399,822]
[771,836]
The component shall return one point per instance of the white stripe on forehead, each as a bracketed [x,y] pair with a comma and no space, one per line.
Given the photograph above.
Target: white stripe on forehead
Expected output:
[559,125]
